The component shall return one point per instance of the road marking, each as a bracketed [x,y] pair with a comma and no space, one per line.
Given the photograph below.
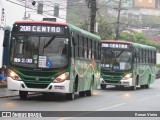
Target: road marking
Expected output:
[143,99]
[65,118]
[101,109]
[157,95]
[109,107]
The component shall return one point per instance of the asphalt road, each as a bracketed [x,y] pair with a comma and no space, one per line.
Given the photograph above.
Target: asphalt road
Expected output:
[110,99]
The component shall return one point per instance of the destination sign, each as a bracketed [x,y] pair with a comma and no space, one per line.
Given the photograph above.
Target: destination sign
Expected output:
[115,45]
[41,29]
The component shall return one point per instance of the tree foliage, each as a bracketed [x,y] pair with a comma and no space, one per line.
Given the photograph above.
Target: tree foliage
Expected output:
[138,38]
[105,29]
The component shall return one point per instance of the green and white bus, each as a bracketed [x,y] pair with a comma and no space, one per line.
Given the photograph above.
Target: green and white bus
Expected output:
[127,64]
[53,57]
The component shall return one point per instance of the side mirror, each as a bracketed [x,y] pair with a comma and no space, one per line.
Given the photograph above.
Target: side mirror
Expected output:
[7,33]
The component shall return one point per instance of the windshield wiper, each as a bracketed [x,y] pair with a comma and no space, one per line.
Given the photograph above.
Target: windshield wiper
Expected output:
[46,45]
[119,54]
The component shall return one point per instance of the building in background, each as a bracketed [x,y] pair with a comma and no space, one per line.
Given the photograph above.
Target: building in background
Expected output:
[145,3]
[114,3]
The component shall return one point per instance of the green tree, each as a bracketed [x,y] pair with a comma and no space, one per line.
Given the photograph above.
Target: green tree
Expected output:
[105,29]
[138,38]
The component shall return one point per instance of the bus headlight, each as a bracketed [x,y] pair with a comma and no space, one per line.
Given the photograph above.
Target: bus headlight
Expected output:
[13,75]
[62,77]
[127,76]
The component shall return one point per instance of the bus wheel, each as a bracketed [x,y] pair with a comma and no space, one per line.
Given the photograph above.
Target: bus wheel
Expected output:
[133,88]
[23,94]
[82,94]
[89,92]
[142,86]
[70,96]
[103,86]
[147,86]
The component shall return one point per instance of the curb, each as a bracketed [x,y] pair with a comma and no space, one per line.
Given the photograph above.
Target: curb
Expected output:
[3,86]
[7,96]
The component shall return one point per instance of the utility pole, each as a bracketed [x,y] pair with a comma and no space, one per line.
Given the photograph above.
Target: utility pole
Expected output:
[117,28]
[93,7]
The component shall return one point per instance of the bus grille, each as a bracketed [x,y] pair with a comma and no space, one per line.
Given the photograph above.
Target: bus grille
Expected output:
[109,81]
[29,85]
[112,78]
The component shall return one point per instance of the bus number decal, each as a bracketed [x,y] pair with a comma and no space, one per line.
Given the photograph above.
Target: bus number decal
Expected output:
[17,60]
[25,28]
[44,29]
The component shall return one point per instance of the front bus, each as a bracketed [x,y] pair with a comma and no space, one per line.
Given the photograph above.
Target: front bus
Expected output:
[127,64]
[42,59]
[39,58]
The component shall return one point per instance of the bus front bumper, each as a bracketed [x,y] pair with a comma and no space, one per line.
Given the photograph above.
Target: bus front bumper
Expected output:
[16,85]
[126,83]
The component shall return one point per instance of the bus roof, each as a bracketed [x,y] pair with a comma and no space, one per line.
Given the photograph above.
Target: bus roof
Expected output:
[84,32]
[137,45]
[115,41]
[71,27]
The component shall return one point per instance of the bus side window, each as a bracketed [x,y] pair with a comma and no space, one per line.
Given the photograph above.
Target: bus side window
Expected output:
[89,49]
[135,56]
[93,49]
[99,51]
[75,40]
[85,47]
[139,53]
[154,57]
[80,47]
[149,56]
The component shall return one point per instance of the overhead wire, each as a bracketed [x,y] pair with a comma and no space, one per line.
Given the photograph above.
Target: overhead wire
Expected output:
[31,8]
[46,12]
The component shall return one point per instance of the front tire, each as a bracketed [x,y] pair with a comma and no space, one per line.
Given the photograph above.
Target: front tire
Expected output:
[133,88]
[81,93]
[89,92]
[23,95]
[70,96]
[147,86]
[142,86]
[103,86]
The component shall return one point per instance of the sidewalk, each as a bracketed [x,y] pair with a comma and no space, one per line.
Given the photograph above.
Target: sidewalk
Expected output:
[4,92]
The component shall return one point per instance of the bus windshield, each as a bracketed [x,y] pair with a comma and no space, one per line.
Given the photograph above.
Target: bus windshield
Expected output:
[116,60]
[39,51]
